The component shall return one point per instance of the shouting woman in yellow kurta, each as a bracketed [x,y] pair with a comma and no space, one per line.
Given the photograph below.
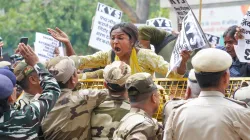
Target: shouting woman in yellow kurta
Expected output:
[123,40]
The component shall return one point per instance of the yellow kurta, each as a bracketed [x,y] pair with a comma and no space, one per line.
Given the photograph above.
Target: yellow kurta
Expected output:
[147,60]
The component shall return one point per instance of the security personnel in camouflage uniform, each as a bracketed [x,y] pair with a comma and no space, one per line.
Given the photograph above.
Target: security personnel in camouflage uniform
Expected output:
[106,117]
[28,80]
[70,118]
[138,124]
[211,116]
[25,123]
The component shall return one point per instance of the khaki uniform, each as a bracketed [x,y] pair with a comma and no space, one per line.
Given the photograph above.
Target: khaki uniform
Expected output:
[70,117]
[209,117]
[170,106]
[138,125]
[106,117]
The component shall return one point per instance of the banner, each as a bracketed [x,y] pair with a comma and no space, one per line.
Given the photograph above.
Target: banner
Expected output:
[212,39]
[45,46]
[191,37]
[181,8]
[160,23]
[105,18]
[243,48]
[216,23]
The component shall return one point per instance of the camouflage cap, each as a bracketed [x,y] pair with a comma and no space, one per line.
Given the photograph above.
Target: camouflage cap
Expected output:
[61,67]
[76,60]
[117,73]
[142,82]
[21,70]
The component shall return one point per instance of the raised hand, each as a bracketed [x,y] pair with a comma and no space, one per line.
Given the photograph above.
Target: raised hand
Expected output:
[185,55]
[59,35]
[239,33]
[28,54]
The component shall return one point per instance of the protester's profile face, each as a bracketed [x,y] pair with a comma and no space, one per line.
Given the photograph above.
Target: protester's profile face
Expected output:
[120,42]
[229,44]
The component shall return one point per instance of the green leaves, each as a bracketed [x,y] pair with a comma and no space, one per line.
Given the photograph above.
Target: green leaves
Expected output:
[24,18]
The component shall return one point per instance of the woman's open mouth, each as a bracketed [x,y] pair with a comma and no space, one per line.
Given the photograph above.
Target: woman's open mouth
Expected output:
[117,49]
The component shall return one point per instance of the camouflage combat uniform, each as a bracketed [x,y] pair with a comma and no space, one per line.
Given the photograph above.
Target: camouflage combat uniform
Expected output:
[25,123]
[70,118]
[138,125]
[22,70]
[106,117]
[25,98]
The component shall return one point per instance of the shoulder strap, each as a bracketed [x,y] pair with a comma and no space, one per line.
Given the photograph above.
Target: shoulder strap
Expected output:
[166,40]
[237,102]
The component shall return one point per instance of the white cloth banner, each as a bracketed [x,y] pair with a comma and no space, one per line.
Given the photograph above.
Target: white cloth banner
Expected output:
[243,48]
[105,18]
[191,37]
[45,46]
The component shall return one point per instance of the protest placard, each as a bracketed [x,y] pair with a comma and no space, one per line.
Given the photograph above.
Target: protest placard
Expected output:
[45,46]
[212,39]
[242,50]
[181,8]
[160,23]
[105,18]
[191,37]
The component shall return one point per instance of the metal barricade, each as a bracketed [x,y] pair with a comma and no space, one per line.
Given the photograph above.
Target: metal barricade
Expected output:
[173,88]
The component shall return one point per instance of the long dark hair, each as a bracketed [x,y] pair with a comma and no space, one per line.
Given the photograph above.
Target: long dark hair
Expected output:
[129,29]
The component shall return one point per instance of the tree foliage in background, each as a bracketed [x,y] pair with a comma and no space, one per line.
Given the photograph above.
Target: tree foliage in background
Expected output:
[20,18]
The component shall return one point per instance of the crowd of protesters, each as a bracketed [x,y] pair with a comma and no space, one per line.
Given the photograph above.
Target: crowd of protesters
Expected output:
[51,107]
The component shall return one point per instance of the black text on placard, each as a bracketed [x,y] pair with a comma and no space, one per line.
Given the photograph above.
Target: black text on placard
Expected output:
[109,10]
[177,1]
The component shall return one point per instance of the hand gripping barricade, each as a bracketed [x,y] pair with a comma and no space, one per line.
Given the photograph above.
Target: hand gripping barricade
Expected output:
[174,88]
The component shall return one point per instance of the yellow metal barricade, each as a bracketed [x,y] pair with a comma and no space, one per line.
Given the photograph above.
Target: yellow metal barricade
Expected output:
[173,88]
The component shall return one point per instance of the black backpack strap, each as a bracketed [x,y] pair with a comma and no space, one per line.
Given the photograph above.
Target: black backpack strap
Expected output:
[112,56]
[166,40]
